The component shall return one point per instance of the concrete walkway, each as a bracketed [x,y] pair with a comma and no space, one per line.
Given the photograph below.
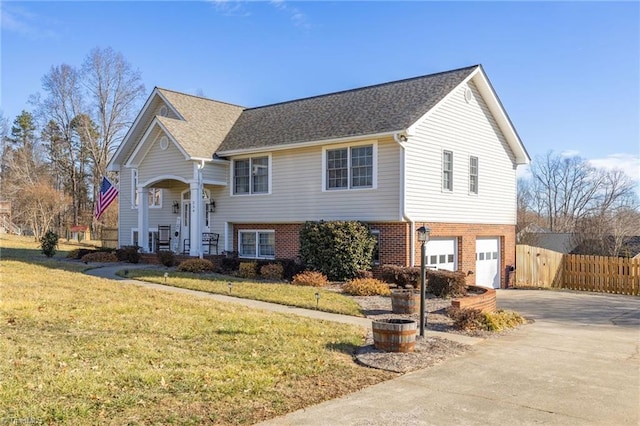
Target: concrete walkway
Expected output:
[578,364]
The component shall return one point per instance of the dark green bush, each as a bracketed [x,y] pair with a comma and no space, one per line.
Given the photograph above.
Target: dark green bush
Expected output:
[443,283]
[402,276]
[49,243]
[167,258]
[79,253]
[195,266]
[129,254]
[229,263]
[338,248]
[290,268]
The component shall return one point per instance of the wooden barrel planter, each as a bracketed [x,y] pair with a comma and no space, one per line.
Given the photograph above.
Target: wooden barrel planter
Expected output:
[394,335]
[405,301]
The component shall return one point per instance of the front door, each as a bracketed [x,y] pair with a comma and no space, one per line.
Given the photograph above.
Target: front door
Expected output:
[185,229]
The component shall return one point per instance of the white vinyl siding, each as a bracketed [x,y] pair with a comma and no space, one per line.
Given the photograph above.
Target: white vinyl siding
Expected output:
[297,191]
[465,129]
[258,244]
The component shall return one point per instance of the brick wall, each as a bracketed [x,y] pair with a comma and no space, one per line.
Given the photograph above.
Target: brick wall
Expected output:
[485,302]
[395,247]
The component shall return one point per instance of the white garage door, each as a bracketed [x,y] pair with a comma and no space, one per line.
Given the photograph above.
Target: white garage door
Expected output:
[442,253]
[488,262]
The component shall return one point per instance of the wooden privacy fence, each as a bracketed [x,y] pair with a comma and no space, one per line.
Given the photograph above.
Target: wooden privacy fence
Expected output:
[109,237]
[538,267]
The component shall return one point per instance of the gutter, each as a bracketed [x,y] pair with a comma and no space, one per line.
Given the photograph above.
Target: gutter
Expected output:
[401,139]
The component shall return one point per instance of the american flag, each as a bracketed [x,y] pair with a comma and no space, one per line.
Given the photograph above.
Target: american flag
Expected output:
[108,193]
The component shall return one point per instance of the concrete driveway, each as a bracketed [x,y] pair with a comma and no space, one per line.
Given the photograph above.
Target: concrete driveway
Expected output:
[579,363]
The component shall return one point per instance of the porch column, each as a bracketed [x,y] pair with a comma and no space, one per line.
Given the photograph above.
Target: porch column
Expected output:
[143,218]
[196,220]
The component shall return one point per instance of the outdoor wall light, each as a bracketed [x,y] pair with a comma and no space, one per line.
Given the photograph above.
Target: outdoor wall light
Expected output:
[211,207]
[176,207]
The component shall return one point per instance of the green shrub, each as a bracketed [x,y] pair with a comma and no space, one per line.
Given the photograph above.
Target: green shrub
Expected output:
[402,276]
[229,263]
[49,243]
[467,319]
[502,320]
[129,254]
[338,249]
[310,278]
[248,270]
[272,271]
[99,256]
[195,266]
[366,287]
[291,268]
[443,283]
[167,258]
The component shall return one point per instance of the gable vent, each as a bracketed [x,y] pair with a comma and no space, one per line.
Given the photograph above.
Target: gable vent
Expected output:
[468,95]
[163,111]
[164,143]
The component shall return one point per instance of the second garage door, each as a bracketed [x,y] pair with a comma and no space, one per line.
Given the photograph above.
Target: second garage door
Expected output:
[442,253]
[488,262]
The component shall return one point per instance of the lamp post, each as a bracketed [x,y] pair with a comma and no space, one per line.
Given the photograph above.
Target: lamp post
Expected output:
[423,237]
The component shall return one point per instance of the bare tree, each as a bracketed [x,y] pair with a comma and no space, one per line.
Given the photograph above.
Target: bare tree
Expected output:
[67,154]
[114,89]
[570,195]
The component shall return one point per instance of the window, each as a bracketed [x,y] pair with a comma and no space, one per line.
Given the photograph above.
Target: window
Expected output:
[134,188]
[155,194]
[257,244]
[473,175]
[349,167]
[155,197]
[376,248]
[251,176]
[447,170]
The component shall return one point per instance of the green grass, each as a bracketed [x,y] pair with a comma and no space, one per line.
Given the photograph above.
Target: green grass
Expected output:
[83,350]
[284,294]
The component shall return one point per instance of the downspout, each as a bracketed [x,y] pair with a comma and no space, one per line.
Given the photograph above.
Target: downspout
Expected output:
[198,200]
[400,139]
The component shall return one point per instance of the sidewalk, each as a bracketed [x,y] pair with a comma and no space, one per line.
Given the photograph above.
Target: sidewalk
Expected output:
[110,271]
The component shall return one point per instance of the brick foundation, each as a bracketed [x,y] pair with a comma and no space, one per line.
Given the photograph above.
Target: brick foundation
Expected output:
[395,243]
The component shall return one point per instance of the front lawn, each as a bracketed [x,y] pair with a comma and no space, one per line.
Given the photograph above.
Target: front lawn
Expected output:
[284,294]
[82,350]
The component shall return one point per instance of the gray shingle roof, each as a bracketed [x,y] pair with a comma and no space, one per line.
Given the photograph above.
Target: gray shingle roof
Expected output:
[206,122]
[375,109]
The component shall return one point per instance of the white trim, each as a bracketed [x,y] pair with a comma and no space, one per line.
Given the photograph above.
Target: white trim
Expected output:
[471,193]
[346,139]
[146,144]
[257,232]
[134,188]
[156,179]
[442,187]
[232,185]
[374,171]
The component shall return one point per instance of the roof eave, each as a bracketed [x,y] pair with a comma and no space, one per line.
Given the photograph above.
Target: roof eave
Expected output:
[259,149]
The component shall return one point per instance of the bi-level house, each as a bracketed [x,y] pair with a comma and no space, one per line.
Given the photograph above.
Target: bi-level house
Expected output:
[437,150]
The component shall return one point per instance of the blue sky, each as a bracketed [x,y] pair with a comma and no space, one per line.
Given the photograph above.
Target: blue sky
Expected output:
[568,73]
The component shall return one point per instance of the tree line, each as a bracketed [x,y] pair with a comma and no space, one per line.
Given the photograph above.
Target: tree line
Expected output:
[569,195]
[53,157]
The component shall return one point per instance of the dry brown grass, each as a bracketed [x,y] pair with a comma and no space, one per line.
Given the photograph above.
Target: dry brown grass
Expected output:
[82,350]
